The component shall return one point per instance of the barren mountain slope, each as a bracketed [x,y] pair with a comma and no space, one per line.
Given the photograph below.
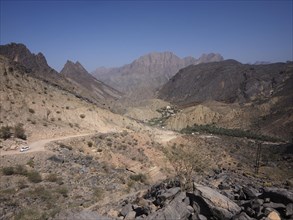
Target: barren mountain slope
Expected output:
[226,81]
[78,75]
[45,109]
[100,173]
[144,76]
[36,66]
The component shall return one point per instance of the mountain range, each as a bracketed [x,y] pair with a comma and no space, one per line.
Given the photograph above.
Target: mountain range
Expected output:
[85,87]
[197,86]
[65,154]
[145,75]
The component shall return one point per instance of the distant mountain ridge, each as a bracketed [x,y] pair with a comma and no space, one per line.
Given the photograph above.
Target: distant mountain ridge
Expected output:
[37,66]
[145,75]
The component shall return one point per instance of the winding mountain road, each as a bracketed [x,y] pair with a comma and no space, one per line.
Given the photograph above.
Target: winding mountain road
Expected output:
[40,144]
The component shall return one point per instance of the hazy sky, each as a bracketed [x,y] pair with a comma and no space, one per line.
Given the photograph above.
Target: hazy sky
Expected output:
[113,33]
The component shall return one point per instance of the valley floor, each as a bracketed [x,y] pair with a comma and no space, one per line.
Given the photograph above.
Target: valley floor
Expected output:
[97,171]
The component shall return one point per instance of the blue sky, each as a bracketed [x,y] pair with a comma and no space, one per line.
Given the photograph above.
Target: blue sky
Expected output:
[113,33]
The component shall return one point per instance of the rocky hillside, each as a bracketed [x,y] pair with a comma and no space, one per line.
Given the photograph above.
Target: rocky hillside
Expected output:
[44,109]
[141,78]
[78,75]
[240,200]
[36,64]
[37,67]
[21,54]
[117,175]
[227,81]
[234,95]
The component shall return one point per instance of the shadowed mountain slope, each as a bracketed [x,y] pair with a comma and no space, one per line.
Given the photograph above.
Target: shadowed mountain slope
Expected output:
[227,81]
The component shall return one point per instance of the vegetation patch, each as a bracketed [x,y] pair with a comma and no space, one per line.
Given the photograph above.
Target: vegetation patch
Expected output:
[31,110]
[89,144]
[34,176]
[63,191]
[212,129]
[17,170]
[20,170]
[138,177]
[52,177]
[5,132]
[166,112]
[8,171]
[188,160]
[31,163]
[19,131]
[65,146]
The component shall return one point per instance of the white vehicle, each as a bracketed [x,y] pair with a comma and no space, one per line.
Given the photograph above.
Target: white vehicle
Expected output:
[24,148]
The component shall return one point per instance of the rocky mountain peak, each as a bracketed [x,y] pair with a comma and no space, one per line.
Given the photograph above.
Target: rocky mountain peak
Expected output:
[70,68]
[76,73]
[73,78]
[142,78]
[156,58]
[21,54]
[210,57]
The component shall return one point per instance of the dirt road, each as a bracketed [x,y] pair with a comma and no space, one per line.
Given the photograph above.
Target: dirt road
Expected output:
[40,144]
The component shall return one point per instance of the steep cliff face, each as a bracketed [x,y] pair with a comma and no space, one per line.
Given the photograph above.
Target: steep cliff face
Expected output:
[144,76]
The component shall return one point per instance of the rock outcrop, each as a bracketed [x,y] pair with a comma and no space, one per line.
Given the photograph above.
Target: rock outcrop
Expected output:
[218,204]
[240,201]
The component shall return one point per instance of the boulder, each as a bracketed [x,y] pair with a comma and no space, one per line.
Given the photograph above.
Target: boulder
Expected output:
[126,209]
[142,210]
[274,216]
[223,186]
[130,215]
[202,217]
[219,205]
[242,216]
[250,211]
[250,192]
[278,195]
[176,209]
[198,217]
[187,201]
[274,205]
[169,193]
[256,205]
[289,209]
